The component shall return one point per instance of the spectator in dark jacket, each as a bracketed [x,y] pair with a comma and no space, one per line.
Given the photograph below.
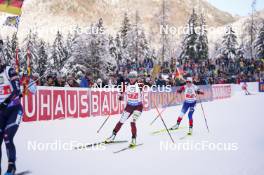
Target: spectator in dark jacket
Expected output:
[160,81]
[50,81]
[71,82]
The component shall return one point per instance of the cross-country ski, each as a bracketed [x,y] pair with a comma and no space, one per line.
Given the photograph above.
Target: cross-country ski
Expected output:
[100,143]
[130,147]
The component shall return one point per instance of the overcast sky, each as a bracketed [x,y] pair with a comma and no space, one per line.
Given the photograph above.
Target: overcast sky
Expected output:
[237,7]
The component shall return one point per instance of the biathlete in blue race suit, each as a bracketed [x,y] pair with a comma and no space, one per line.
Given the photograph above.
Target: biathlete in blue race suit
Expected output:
[190,90]
[10,113]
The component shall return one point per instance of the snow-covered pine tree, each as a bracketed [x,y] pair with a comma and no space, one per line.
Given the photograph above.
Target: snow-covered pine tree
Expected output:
[202,40]
[112,47]
[144,50]
[42,62]
[59,53]
[76,33]
[259,43]
[15,49]
[252,29]
[103,63]
[14,42]
[249,32]
[91,53]
[229,49]
[138,47]
[165,38]
[189,42]
[7,51]
[29,48]
[245,44]
[125,32]
[118,45]
[216,51]
[134,34]
[79,57]
[68,45]
[10,49]
[72,45]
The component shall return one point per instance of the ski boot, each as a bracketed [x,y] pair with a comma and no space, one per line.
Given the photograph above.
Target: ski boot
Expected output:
[190,131]
[133,142]
[175,127]
[111,138]
[11,168]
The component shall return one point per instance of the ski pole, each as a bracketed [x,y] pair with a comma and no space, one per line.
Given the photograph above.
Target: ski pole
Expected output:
[164,124]
[203,113]
[153,121]
[103,123]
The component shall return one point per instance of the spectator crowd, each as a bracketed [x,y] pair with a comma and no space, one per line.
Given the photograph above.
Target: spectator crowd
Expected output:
[218,71]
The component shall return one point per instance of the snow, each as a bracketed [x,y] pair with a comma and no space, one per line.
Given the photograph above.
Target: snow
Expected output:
[237,120]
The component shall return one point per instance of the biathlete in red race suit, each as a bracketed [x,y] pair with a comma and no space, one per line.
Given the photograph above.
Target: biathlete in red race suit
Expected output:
[245,88]
[133,108]
[190,92]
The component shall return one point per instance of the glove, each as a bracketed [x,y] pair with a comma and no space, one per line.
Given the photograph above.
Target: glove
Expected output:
[200,93]
[3,106]
[179,91]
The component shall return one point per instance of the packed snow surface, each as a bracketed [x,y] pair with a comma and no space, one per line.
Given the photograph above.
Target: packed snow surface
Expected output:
[237,121]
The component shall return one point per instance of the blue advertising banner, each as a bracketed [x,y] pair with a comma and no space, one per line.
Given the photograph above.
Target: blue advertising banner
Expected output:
[261,86]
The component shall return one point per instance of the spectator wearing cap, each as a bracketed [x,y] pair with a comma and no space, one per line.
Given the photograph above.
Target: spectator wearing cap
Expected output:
[60,81]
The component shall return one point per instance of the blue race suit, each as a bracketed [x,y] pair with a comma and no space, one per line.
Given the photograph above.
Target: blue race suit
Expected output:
[10,110]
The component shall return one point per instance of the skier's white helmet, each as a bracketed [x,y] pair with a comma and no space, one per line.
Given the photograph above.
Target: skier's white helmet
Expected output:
[189,79]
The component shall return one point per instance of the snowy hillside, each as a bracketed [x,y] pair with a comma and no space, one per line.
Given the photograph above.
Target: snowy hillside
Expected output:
[240,27]
[236,121]
[49,16]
